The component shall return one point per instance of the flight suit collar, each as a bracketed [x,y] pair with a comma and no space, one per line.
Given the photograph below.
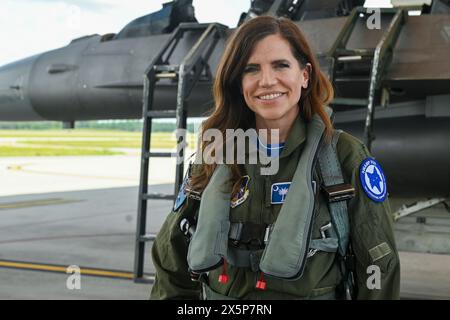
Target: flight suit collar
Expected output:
[296,137]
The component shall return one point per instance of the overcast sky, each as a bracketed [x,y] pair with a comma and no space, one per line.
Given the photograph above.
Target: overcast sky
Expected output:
[28,27]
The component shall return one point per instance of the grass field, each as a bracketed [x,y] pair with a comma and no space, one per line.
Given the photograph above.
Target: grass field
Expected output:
[6,151]
[79,142]
[123,143]
[78,133]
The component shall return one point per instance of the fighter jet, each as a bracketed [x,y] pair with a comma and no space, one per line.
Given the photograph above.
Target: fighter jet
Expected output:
[391,73]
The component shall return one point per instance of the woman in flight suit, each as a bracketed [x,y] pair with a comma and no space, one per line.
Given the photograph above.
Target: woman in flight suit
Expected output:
[324,244]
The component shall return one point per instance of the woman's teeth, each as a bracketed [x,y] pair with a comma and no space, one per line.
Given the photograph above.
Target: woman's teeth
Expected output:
[270,96]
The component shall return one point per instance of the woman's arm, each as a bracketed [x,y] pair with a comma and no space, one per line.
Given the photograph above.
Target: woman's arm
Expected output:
[371,227]
[169,254]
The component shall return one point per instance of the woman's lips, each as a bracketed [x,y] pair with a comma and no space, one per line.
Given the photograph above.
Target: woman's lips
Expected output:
[269,98]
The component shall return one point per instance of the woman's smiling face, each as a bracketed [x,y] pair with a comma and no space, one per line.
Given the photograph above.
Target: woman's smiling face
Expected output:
[272,80]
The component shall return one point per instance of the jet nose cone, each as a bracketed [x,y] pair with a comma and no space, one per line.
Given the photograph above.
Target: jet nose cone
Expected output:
[15,102]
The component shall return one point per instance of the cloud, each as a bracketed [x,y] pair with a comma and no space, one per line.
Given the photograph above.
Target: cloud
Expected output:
[92,5]
[225,12]
[30,27]
[42,25]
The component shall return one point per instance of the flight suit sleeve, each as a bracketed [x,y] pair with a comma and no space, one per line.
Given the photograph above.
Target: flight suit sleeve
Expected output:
[377,271]
[169,254]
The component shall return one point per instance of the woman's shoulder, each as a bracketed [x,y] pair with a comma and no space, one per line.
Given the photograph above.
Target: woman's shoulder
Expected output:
[351,151]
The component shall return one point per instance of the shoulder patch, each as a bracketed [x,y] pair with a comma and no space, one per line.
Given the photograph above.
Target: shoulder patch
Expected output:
[373,180]
[243,193]
[182,195]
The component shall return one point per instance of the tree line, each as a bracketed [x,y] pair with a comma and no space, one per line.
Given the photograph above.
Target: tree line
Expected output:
[120,125]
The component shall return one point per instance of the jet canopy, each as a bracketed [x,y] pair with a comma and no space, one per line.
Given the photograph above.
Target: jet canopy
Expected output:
[160,22]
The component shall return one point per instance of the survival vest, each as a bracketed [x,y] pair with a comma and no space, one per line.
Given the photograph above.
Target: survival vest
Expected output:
[289,242]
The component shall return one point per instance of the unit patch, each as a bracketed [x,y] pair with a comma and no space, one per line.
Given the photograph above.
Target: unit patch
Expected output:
[182,195]
[242,194]
[279,192]
[373,180]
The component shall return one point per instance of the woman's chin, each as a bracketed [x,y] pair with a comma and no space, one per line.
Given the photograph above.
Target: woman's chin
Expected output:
[270,116]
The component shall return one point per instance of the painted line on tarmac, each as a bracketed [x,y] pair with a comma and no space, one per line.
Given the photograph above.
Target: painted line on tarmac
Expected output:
[53,173]
[21,168]
[35,203]
[66,237]
[104,273]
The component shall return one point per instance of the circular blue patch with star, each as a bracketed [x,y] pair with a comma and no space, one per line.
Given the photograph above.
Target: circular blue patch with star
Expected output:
[373,180]
[182,195]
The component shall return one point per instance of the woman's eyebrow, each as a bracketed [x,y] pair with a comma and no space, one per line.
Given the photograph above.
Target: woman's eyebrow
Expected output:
[280,61]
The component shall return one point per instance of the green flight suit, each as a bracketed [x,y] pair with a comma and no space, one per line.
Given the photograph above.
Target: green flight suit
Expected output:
[371,236]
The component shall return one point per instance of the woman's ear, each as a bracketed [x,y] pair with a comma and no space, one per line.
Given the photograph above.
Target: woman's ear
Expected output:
[307,71]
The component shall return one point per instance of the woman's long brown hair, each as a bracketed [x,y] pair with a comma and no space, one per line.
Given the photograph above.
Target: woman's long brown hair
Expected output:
[231,111]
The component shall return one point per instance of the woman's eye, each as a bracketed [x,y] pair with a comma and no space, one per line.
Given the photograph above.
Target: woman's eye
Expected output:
[249,69]
[282,65]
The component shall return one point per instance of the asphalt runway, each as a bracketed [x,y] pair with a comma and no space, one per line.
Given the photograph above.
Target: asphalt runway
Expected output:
[81,211]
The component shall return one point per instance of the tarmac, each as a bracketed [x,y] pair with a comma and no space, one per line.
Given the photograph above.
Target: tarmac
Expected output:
[58,212]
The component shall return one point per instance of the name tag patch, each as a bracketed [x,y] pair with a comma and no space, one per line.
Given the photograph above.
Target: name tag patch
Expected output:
[279,192]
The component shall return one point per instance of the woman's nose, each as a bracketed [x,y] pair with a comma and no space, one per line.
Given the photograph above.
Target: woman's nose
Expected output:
[268,78]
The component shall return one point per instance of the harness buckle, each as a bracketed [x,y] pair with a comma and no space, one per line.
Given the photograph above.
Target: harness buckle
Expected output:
[187,228]
[249,234]
[311,253]
[194,275]
[339,192]
[267,234]
[195,195]
[325,228]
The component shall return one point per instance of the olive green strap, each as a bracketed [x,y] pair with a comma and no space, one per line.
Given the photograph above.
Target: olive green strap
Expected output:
[331,173]
[325,245]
